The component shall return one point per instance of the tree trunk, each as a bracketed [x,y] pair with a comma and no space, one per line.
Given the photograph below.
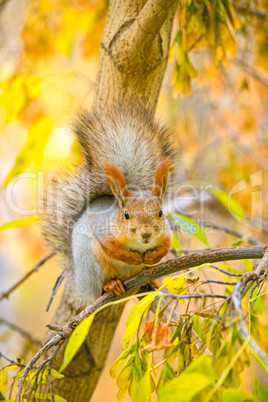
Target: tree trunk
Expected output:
[132,62]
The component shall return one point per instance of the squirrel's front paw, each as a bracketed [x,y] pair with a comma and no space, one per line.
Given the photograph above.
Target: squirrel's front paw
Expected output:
[115,287]
[136,258]
[152,257]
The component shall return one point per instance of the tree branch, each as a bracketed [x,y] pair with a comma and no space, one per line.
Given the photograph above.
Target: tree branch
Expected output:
[147,25]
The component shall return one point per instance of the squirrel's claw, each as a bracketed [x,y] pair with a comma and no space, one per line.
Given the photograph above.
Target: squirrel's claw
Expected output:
[155,284]
[115,287]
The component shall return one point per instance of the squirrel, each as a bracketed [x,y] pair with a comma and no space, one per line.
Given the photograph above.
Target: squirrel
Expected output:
[106,218]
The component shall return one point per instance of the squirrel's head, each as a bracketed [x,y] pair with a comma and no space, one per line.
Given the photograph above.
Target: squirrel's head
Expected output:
[140,212]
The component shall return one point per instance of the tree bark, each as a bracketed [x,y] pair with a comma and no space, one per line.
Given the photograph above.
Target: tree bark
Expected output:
[132,62]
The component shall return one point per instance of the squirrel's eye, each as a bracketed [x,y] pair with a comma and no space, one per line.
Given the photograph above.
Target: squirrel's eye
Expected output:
[127,215]
[160,212]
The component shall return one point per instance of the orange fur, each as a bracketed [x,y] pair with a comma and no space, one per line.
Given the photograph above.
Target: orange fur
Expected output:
[152,257]
[114,176]
[161,178]
[117,251]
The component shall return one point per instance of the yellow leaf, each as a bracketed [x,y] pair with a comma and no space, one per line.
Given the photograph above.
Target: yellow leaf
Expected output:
[3,380]
[65,39]
[76,340]
[143,393]
[134,317]
[175,284]
[38,135]
[19,222]
[33,86]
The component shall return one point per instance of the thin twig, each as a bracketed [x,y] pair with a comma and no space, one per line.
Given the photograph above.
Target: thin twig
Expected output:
[219,282]
[54,341]
[6,294]
[55,288]
[51,385]
[11,361]
[194,296]
[224,271]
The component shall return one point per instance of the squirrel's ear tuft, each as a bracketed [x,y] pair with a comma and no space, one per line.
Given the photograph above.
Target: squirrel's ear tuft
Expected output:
[116,182]
[161,178]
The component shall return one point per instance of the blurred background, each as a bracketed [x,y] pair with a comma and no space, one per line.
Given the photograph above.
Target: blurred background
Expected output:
[48,63]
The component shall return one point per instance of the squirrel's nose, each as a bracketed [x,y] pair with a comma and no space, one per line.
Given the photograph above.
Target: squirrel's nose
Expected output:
[146,232]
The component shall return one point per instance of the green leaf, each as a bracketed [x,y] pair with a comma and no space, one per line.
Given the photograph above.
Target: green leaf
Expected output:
[189,226]
[186,226]
[176,242]
[123,379]
[76,340]
[119,363]
[12,367]
[53,373]
[37,138]
[2,398]
[259,393]
[175,284]
[143,393]
[18,375]
[134,317]
[193,380]
[19,222]
[3,380]
[235,395]
[59,398]
[232,205]
[167,374]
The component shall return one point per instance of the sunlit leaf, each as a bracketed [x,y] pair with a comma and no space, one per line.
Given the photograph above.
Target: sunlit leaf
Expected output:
[259,393]
[123,378]
[175,284]
[3,380]
[184,224]
[13,89]
[59,398]
[120,362]
[232,205]
[235,395]
[76,340]
[143,393]
[38,135]
[18,375]
[134,317]
[191,227]
[198,376]
[19,222]
[54,373]
[176,242]
[65,39]
[12,367]
[166,375]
